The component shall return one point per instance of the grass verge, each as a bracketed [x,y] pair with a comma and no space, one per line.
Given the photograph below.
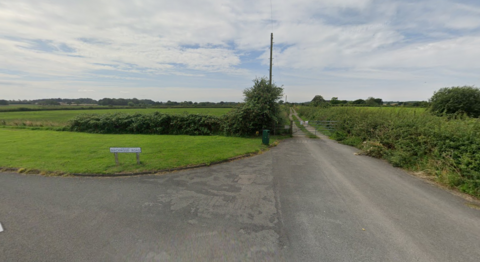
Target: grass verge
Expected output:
[305,130]
[69,152]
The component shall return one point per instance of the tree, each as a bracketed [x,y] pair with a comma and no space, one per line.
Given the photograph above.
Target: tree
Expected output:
[264,97]
[335,101]
[318,100]
[49,102]
[3,103]
[358,102]
[374,101]
[455,100]
[259,111]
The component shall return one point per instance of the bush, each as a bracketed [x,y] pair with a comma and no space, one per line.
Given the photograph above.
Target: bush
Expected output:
[456,100]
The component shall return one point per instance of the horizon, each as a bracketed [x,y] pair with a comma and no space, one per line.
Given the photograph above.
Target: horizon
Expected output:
[206,101]
[212,50]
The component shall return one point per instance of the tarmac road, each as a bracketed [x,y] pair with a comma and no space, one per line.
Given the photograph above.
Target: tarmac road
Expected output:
[304,200]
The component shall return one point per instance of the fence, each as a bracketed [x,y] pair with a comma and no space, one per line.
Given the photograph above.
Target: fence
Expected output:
[283,129]
[323,126]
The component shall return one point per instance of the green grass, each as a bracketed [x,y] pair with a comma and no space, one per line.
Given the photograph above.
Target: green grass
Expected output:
[396,109]
[71,152]
[61,117]
[30,107]
[16,106]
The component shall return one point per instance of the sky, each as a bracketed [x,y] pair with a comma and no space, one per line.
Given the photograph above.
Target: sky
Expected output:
[211,50]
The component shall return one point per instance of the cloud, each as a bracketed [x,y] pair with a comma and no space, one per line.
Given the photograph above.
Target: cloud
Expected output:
[226,43]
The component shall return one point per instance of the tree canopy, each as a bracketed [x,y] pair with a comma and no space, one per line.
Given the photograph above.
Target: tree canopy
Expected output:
[318,100]
[371,101]
[455,100]
[359,102]
[260,110]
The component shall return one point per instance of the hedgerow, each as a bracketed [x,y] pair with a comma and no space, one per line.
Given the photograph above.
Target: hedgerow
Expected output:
[155,123]
[445,147]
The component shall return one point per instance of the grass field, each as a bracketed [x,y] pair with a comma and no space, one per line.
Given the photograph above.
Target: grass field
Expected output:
[71,152]
[61,117]
[396,109]
[15,106]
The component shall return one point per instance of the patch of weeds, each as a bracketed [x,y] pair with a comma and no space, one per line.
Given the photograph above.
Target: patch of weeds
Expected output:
[339,136]
[398,158]
[471,187]
[32,171]
[353,141]
[374,149]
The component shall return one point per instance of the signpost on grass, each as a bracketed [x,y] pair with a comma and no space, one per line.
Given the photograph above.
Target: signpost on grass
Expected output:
[117,150]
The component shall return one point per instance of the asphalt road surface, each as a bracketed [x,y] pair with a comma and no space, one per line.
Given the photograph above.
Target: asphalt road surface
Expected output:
[304,200]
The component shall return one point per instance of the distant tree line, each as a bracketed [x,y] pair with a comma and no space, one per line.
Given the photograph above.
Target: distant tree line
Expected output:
[131,102]
[55,101]
[319,101]
[125,102]
[198,104]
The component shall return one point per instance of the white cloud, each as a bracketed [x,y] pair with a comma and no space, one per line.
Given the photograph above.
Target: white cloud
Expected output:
[87,45]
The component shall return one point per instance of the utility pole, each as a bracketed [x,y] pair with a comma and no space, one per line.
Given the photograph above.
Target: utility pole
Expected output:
[271,59]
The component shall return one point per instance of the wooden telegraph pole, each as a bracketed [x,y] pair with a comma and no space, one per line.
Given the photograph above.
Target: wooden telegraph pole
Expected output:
[271,59]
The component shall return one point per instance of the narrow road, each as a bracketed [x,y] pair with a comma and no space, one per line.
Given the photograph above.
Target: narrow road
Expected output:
[304,200]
